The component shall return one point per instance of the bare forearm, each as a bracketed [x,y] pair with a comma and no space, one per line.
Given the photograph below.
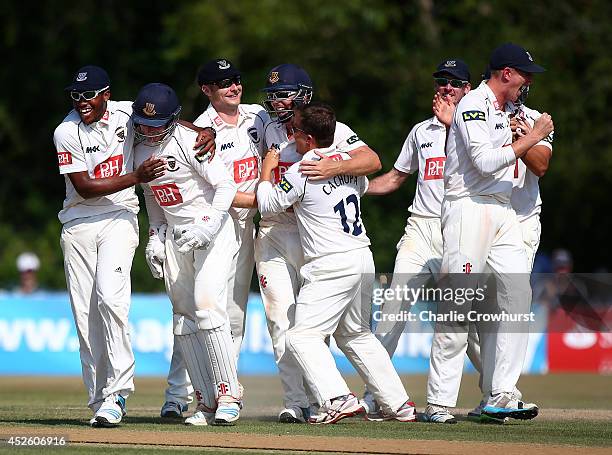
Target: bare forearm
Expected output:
[245,200]
[90,188]
[386,183]
[364,161]
[537,159]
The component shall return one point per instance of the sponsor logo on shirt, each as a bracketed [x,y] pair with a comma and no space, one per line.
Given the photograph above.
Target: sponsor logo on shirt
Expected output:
[285,185]
[499,126]
[109,168]
[434,168]
[64,158]
[280,170]
[473,115]
[218,121]
[245,169]
[167,195]
[227,145]
[95,148]
[425,145]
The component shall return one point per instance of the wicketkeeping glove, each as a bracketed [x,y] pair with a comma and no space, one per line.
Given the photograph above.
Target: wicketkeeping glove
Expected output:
[197,236]
[155,252]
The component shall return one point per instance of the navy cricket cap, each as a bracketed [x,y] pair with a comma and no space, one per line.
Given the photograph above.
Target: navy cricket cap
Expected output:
[287,77]
[454,67]
[513,56]
[216,70]
[155,105]
[89,77]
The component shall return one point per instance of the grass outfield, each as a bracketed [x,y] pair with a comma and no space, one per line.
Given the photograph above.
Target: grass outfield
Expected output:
[576,410]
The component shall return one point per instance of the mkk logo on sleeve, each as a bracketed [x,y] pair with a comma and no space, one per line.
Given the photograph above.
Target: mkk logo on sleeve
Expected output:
[64,158]
[109,168]
[473,115]
[167,195]
[245,169]
[434,168]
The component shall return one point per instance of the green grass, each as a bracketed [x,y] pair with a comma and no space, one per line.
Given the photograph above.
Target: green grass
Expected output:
[57,404]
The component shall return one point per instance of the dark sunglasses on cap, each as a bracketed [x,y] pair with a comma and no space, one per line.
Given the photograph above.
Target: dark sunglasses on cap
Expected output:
[226,83]
[456,83]
[87,95]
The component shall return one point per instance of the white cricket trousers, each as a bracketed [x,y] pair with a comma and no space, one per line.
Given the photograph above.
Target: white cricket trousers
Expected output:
[530,231]
[179,388]
[196,283]
[279,258]
[419,256]
[335,299]
[98,254]
[239,281]
[481,232]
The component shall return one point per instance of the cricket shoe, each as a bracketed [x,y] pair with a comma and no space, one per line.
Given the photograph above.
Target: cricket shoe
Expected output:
[503,405]
[371,407]
[202,416]
[294,415]
[228,410]
[476,415]
[110,413]
[173,410]
[337,409]
[405,413]
[438,414]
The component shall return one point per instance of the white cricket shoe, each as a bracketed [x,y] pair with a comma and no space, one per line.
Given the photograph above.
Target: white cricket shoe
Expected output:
[370,405]
[337,409]
[294,414]
[110,413]
[503,405]
[202,416]
[405,413]
[438,414]
[228,411]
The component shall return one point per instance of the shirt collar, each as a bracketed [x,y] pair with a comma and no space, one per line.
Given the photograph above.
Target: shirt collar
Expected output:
[219,123]
[491,96]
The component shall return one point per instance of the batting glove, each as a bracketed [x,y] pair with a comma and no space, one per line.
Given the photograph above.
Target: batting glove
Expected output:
[198,236]
[155,252]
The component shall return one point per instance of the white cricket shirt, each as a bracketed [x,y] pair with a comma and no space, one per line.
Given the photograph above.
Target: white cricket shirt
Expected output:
[328,212]
[240,147]
[423,150]
[479,159]
[345,140]
[185,192]
[526,199]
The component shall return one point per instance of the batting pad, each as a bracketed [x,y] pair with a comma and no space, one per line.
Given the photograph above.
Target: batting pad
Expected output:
[223,360]
[193,346]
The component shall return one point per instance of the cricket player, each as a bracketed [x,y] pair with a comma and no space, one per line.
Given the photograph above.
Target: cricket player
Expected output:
[338,275]
[480,230]
[100,234]
[278,250]
[191,245]
[239,135]
[419,253]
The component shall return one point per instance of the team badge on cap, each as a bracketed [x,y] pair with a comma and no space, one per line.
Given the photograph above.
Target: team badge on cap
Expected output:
[149,109]
[223,64]
[81,77]
[274,77]
[450,63]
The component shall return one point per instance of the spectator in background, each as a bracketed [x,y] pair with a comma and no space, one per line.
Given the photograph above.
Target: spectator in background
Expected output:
[27,265]
[562,261]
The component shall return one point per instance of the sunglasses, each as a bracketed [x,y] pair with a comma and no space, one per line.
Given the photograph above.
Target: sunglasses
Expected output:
[226,83]
[87,95]
[281,95]
[456,83]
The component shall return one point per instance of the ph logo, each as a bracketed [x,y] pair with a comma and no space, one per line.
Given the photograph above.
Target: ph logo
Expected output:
[467,268]
[246,169]
[434,168]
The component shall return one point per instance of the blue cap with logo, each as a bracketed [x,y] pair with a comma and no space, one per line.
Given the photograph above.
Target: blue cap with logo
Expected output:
[216,70]
[455,67]
[287,77]
[513,56]
[155,105]
[89,77]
